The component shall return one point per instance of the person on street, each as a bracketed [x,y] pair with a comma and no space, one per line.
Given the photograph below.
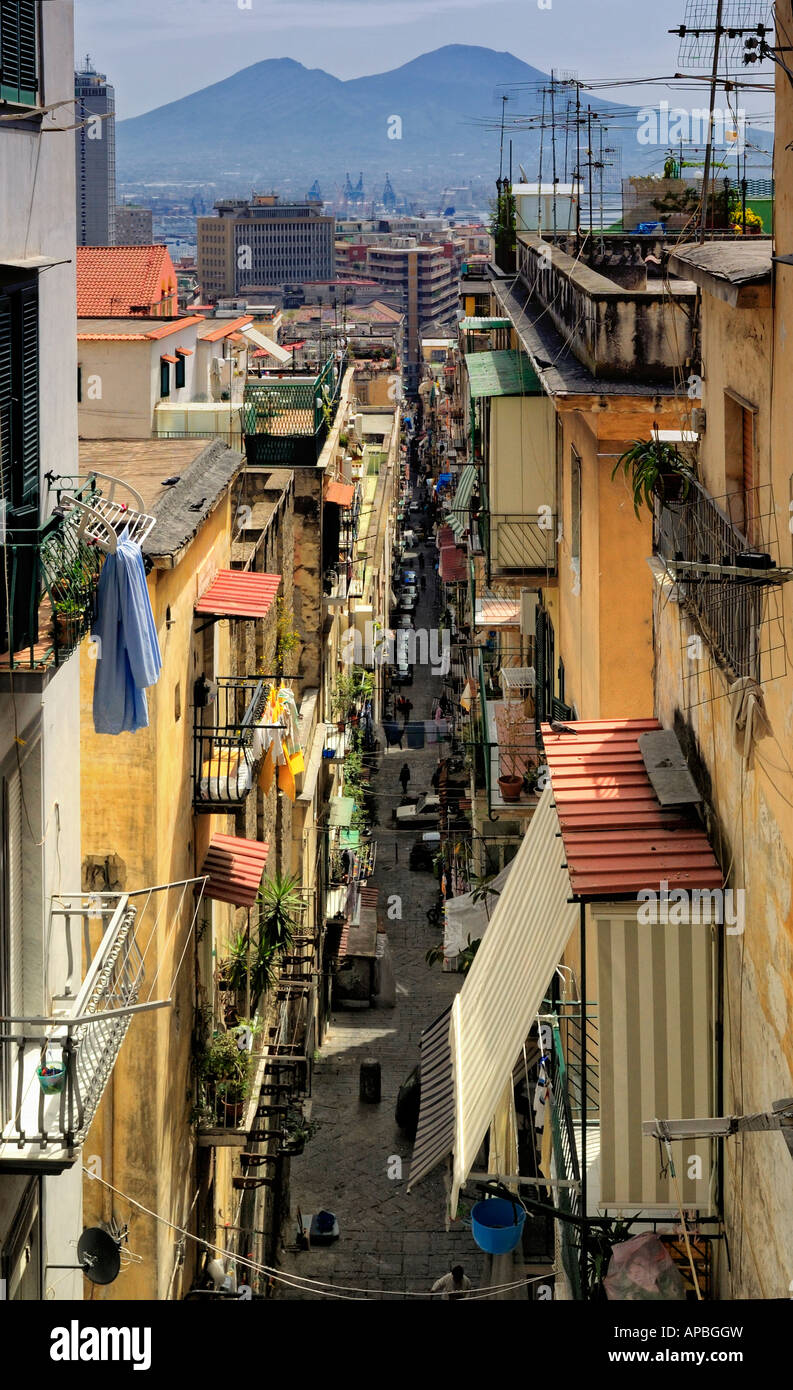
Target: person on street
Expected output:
[404,778]
[421,559]
[423,583]
[452,1285]
[407,706]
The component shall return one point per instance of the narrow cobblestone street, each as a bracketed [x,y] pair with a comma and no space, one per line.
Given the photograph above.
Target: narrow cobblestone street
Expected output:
[391,1242]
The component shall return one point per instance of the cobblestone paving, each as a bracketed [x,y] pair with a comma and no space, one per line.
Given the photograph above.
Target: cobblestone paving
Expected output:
[392,1243]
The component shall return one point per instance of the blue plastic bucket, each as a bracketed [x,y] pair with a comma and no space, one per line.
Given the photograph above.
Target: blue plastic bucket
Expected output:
[497,1225]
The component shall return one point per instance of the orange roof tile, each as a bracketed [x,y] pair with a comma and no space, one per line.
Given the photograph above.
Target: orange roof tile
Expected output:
[163,330]
[114,281]
[226,329]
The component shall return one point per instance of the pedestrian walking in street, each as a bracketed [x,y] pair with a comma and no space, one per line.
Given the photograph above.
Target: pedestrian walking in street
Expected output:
[423,583]
[421,559]
[452,1285]
[407,706]
[404,778]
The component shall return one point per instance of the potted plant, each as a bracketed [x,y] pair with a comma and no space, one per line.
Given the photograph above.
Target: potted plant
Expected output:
[233,969]
[225,1072]
[513,722]
[656,468]
[297,1132]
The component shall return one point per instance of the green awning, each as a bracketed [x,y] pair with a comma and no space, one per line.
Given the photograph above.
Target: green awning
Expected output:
[507,373]
[341,809]
[350,839]
[482,324]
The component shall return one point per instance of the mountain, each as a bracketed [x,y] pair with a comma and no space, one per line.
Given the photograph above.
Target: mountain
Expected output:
[430,123]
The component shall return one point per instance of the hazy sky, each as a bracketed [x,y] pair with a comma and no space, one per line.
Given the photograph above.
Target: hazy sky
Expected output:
[157,50]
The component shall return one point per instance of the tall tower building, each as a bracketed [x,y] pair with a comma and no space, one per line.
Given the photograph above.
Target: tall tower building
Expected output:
[96,157]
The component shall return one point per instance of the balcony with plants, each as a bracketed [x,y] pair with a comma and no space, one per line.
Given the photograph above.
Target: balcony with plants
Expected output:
[240,1038]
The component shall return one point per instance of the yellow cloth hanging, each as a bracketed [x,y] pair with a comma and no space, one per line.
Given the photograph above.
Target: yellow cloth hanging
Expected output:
[267,770]
[286,780]
[297,762]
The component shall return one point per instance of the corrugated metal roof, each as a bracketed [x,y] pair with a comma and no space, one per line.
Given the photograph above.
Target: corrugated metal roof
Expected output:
[617,836]
[238,594]
[484,323]
[506,373]
[453,564]
[235,869]
[445,536]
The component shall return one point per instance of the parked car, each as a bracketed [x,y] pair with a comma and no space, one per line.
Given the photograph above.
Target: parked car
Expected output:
[409,577]
[408,601]
[421,812]
[403,620]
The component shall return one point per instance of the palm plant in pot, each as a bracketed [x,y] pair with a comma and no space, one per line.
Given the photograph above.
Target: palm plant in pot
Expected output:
[655,468]
[280,906]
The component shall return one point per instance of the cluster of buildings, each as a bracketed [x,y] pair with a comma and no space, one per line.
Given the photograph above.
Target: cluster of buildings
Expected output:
[617,558]
[158,1030]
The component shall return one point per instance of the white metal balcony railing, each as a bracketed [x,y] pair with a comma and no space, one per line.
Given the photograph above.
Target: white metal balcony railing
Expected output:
[54,1068]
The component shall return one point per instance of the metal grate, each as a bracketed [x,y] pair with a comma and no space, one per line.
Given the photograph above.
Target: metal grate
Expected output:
[286,420]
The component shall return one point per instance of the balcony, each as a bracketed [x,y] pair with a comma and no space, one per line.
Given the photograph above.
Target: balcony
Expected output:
[53,569]
[285,419]
[521,543]
[727,586]
[226,754]
[48,1116]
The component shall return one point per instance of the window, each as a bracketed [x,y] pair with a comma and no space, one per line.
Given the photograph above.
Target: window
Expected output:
[79,384]
[19,400]
[18,52]
[165,378]
[740,464]
[179,374]
[575,506]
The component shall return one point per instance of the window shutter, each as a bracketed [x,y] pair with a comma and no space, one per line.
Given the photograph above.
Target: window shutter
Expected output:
[29,404]
[749,480]
[6,392]
[165,378]
[18,52]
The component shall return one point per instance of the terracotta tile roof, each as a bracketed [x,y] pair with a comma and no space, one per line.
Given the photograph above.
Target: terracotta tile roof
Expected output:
[239,594]
[113,280]
[235,869]
[341,493]
[150,329]
[213,334]
[618,838]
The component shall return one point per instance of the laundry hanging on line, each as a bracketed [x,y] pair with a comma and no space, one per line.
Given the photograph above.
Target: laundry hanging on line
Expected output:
[128,650]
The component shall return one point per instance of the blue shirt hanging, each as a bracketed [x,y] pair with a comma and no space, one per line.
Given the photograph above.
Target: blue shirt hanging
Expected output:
[128,657]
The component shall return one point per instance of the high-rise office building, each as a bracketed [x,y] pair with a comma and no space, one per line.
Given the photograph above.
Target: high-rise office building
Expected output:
[423,279]
[96,157]
[264,242]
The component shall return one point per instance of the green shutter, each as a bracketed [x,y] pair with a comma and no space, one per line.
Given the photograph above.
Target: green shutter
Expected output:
[29,395]
[18,52]
[165,378]
[6,392]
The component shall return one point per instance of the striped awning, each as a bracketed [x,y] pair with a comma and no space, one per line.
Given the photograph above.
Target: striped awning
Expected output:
[461,502]
[435,1137]
[239,594]
[494,1011]
[235,869]
[656,1055]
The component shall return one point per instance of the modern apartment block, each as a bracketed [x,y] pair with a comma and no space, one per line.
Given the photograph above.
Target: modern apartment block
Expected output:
[134,226]
[96,157]
[263,242]
[424,278]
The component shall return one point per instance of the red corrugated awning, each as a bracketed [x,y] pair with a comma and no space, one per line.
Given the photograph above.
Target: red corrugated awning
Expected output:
[238,594]
[445,536]
[341,493]
[235,869]
[452,565]
[618,838]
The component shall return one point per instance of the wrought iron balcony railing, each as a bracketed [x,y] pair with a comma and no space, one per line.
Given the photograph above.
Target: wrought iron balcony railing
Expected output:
[54,1069]
[721,578]
[225,752]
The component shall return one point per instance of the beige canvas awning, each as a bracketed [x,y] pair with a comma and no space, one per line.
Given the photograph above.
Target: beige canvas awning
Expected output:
[494,1011]
[261,340]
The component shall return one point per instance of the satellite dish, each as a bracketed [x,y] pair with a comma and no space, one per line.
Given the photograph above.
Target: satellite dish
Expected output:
[99,1256]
